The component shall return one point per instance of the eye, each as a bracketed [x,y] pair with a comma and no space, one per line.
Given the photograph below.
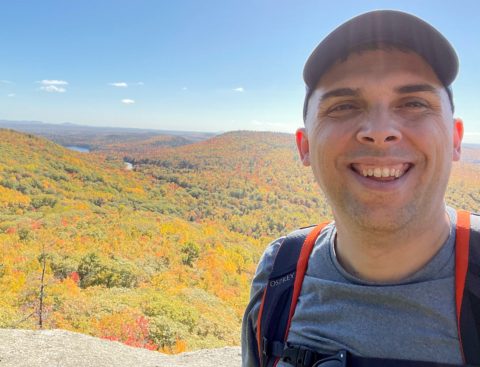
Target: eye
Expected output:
[342,108]
[414,105]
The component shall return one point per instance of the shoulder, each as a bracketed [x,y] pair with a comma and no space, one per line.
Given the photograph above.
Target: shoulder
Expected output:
[292,246]
[265,265]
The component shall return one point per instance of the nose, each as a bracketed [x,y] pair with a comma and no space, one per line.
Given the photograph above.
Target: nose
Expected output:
[379,129]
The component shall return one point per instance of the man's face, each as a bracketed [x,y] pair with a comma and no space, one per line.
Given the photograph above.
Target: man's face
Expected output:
[380,137]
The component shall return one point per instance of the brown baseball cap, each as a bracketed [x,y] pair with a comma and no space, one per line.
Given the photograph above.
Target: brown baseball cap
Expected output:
[383,27]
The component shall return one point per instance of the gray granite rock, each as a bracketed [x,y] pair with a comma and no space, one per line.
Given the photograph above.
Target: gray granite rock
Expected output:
[60,348]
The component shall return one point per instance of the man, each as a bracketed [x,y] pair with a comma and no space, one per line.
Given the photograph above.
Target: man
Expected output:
[380,137]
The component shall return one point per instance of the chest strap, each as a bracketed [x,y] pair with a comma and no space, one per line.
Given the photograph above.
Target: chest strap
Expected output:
[299,356]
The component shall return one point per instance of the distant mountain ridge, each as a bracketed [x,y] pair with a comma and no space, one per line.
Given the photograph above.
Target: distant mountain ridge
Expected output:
[95,137]
[39,126]
[471,153]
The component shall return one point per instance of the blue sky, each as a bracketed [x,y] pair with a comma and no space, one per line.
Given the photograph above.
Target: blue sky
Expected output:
[191,65]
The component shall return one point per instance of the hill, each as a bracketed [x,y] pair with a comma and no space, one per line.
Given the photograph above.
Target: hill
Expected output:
[251,181]
[118,263]
[255,184]
[161,256]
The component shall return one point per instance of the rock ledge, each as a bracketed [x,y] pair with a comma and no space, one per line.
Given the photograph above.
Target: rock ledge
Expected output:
[40,348]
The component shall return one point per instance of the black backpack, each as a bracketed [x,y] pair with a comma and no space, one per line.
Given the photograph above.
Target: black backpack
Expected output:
[284,286]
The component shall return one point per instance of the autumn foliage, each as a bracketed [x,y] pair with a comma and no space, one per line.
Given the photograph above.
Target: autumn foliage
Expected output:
[160,257]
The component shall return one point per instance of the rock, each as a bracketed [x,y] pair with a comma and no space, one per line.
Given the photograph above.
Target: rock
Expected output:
[60,348]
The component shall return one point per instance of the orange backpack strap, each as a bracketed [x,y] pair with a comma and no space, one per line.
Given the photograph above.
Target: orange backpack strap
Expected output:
[281,293]
[467,287]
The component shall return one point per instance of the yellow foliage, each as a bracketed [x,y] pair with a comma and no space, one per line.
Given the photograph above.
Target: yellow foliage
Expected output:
[81,206]
[135,190]
[13,280]
[10,197]
[66,288]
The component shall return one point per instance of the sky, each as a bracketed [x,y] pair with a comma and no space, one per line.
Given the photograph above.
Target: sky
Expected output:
[192,65]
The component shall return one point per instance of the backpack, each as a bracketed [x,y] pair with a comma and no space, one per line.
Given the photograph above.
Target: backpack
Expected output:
[285,282]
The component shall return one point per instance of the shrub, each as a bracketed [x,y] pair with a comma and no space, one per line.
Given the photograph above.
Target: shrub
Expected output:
[160,332]
[190,253]
[114,273]
[62,267]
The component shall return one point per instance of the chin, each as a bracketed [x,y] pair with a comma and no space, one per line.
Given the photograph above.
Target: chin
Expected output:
[382,219]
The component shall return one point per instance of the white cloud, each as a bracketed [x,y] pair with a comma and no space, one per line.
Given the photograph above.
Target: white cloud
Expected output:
[128,101]
[239,89]
[140,83]
[53,82]
[5,82]
[11,95]
[53,86]
[53,89]
[119,84]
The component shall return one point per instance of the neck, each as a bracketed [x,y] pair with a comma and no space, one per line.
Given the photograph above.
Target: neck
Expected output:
[391,255]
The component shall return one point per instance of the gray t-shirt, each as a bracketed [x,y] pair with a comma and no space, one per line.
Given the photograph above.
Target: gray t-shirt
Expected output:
[413,319]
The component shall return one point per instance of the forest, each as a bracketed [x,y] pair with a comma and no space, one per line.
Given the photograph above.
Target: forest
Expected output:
[160,256]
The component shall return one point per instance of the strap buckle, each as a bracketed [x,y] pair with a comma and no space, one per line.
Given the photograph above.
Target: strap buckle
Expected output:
[337,360]
[299,356]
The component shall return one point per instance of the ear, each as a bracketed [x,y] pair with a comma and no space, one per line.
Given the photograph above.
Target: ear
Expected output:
[302,146]
[457,138]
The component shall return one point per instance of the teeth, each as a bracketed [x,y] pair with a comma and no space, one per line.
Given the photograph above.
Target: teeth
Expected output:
[382,172]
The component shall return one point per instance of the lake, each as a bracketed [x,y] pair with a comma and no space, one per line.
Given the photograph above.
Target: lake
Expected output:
[128,165]
[78,149]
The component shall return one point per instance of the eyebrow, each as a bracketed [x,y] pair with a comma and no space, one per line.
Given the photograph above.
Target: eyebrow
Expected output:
[404,89]
[340,92]
[412,88]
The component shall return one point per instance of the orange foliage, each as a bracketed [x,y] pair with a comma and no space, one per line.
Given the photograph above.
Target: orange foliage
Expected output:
[128,328]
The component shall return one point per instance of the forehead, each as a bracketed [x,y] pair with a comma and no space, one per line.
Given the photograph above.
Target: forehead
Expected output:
[361,69]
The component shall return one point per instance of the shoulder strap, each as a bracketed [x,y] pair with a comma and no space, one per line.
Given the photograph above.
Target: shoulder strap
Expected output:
[467,286]
[282,291]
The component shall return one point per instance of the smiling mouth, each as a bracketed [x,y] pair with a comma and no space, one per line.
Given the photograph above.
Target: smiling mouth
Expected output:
[381,173]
